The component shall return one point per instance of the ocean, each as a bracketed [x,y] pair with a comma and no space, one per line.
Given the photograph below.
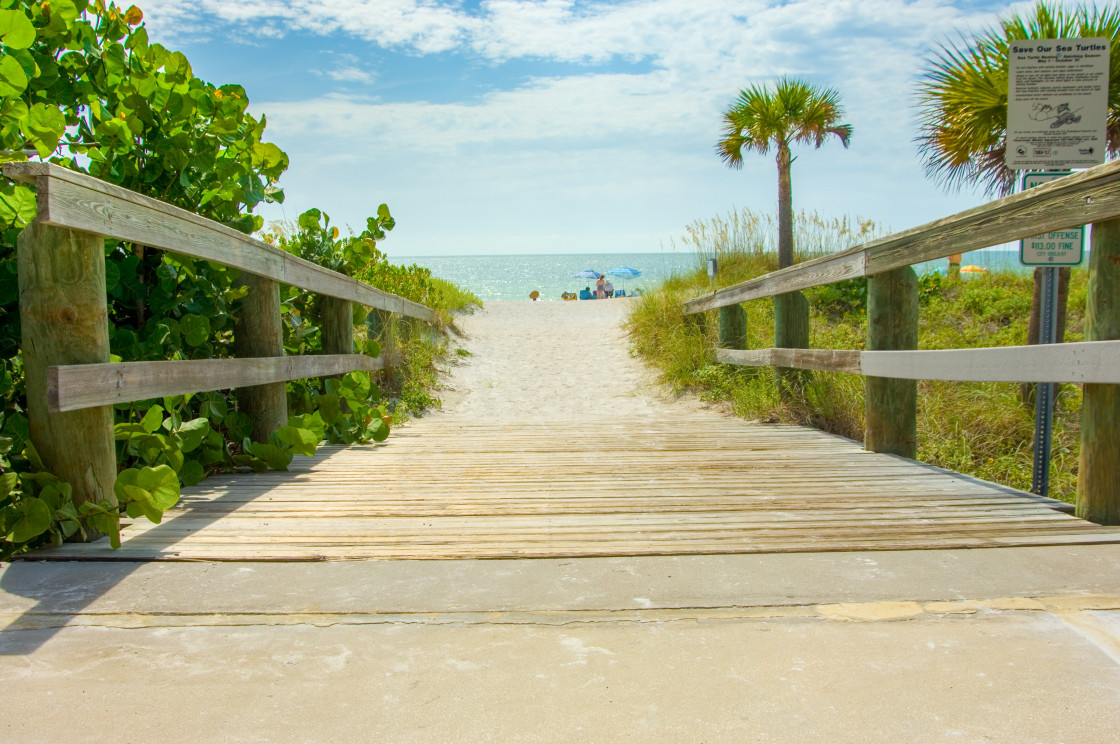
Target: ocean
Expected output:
[514,277]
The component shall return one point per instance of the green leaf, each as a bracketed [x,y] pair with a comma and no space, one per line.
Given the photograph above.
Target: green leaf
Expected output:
[302,441]
[329,408]
[139,499]
[192,433]
[378,430]
[34,519]
[273,456]
[7,483]
[16,31]
[17,204]
[195,329]
[32,456]
[373,348]
[13,80]
[43,127]
[192,472]
[153,419]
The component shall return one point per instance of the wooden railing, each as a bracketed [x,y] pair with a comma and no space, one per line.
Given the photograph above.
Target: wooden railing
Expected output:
[71,385]
[891,362]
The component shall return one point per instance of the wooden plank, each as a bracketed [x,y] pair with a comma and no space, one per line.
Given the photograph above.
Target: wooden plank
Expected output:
[77,201]
[828,360]
[64,320]
[1090,196]
[1080,362]
[1098,487]
[75,386]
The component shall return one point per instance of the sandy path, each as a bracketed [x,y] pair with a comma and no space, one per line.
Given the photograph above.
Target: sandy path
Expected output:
[535,362]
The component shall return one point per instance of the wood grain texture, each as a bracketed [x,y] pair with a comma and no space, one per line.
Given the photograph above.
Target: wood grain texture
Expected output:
[687,485]
[827,360]
[259,332]
[1081,362]
[80,202]
[64,320]
[891,403]
[1087,197]
[73,387]
[1098,485]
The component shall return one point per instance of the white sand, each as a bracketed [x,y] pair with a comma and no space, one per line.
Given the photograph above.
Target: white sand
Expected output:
[551,361]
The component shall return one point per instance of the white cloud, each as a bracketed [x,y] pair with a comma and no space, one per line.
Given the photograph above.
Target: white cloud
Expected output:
[638,144]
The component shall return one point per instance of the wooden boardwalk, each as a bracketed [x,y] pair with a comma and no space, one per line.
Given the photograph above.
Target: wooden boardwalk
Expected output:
[698,484]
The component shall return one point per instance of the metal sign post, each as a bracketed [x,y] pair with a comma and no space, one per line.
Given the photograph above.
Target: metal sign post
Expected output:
[1049,251]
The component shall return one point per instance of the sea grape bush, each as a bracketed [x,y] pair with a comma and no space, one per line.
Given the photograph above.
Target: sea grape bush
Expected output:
[81,86]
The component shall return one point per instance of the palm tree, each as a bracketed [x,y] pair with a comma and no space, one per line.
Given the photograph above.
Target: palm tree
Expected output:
[963,110]
[963,94]
[793,112]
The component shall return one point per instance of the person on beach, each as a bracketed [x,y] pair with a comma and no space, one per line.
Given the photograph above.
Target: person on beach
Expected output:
[599,290]
[608,289]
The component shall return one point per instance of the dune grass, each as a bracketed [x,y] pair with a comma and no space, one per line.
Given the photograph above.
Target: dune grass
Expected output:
[981,429]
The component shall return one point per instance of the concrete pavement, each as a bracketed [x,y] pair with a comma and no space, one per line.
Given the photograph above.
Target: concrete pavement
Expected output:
[1019,644]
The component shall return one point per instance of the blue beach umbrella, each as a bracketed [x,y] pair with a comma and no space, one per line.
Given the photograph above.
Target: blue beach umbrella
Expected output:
[586,274]
[624,272]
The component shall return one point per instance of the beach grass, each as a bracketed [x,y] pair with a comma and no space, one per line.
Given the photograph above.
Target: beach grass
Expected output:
[980,429]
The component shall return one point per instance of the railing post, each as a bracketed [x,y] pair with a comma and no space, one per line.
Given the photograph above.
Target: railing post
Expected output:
[1098,484]
[65,321]
[791,331]
[891,405]
[732,327]
[337,326]
[259,332]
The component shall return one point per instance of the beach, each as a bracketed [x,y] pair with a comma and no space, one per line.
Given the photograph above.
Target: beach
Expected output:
[540,362]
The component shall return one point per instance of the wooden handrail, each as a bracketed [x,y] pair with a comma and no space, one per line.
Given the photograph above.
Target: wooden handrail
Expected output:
[76,386]
[1089,196]
[891,365]
[71,385]
[1081,362]
[77,201]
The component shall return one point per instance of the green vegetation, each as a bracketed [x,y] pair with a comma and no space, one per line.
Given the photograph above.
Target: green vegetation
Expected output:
[981,429]
[794,112]
[81,87]
[963,93]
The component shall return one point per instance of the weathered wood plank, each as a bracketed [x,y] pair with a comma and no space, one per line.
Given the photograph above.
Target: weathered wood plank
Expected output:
[64,320]
[891,403]
[1090,196]
[440,490]
[1098,487]
[828,360]
[72,387]
[80,202]
[1080,362]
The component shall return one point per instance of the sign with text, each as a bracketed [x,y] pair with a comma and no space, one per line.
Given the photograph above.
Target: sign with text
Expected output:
[1057,103]
[1058,248]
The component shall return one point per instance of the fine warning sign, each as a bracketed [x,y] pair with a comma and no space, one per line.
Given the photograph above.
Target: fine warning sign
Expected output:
[1057,103]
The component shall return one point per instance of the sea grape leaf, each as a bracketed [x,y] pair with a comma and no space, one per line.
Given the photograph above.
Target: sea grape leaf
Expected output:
[43,127]
[16,31]
[153,419]
[302,441]
[195,329]
[34,519]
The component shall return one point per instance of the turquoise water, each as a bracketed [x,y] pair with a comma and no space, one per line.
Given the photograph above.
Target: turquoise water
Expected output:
[514,277]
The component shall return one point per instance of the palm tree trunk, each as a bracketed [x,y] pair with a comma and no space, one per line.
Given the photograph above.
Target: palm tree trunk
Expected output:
[785,207]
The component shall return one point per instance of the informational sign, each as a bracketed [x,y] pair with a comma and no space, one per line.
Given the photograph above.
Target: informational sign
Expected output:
[1058,248]
[1057,103]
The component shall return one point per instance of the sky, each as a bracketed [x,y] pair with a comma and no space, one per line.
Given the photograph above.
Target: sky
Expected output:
[565,126]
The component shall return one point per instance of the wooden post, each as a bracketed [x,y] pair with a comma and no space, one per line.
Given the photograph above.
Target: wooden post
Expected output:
[791,331]
[732,327]
[387,338]
[337,326]
[65,321]
[259,332]
[891,406]
[1098,485]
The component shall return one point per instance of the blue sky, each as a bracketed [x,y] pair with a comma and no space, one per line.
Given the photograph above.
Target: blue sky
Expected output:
[563,126]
